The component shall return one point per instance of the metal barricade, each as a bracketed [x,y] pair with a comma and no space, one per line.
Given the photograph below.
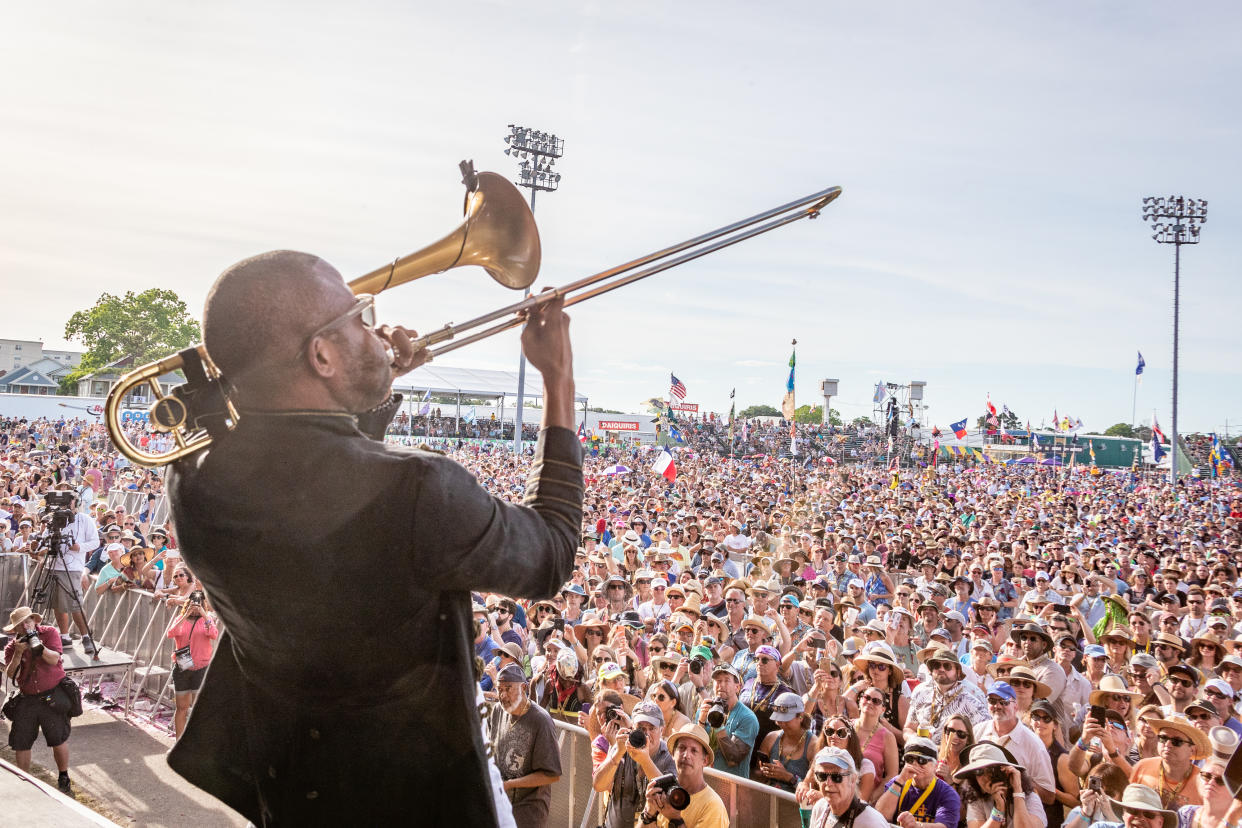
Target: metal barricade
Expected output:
[136,503]
[14,570]
[574,805]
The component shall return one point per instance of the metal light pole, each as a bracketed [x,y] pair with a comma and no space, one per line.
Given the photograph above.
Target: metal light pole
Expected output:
[537,152]
[1176,221]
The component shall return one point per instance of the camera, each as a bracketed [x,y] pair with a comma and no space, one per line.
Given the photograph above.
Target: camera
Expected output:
[638,738]
[613,713]
[197,597]
[58,513]
[716,713]
[678,797]
[819,641]
[697,663]
[33,641]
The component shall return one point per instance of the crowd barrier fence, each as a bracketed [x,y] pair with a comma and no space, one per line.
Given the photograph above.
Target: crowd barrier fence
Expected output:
[575,804]
[136,503]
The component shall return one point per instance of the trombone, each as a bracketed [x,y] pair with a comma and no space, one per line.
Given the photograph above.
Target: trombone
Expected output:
[498,234]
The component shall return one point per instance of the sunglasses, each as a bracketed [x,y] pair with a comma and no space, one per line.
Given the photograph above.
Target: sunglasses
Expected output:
[999,702]
[877,667]
[1041,717]
[660,697]
[1181,682]
[1216,694]
[1201,717]
[840,732]
[603,660]
[918,760]
[181,575]
[1165,738]
[1212,778]
[953,731]
[835,778]
[870,699]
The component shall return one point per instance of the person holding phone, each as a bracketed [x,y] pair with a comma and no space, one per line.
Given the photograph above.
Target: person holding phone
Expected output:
[915,797]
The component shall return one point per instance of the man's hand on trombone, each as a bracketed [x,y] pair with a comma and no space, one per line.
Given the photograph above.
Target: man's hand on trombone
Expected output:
[401,342]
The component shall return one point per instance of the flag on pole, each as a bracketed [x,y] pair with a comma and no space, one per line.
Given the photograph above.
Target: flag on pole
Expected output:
[676,387]
[787,405]
[665,466]
[732,410]
[959,429]
[1138,371]
[582,435]
[793,438]
[426,406]
[935,453]
[1155,429]
[675,434]
[880,392]
[991,407]
[1157,450]
[1091,450]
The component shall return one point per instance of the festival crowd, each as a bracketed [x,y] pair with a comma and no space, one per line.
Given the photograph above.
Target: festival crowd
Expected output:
[938,646]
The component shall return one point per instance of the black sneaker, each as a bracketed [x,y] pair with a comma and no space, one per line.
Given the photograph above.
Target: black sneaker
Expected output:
[62,783]
[88,646]
[66,641]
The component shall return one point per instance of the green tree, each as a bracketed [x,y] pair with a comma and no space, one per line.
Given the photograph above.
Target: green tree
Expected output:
[1119,430]
[862,421]
[814,415]
[759,411]
[146,326]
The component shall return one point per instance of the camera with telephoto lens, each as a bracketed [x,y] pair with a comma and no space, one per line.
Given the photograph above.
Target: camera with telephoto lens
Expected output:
[716,713]
[614,713]
[33,641]
[678,797]
[638,738]
[697,663]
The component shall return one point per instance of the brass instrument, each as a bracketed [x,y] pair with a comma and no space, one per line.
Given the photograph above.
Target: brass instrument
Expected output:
[498,234]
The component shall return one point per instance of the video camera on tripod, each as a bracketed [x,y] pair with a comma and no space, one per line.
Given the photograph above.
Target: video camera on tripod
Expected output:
[57,512]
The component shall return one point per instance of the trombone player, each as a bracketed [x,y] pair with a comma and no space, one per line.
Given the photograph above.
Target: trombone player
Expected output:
[343,691]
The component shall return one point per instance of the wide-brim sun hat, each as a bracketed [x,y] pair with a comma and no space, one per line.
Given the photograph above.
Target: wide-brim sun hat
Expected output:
[1201,744]
[1112,685]
[1031,628]
[875,653]
[984,755]
[1024,673]
[1142,798]
[18,617]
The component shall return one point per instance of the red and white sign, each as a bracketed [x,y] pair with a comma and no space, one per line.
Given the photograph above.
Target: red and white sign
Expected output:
[616,425]
[95,409]
[685,406]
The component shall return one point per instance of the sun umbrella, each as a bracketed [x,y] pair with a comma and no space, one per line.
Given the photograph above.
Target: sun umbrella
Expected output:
[1052,461]
[1027,459]
[614,470]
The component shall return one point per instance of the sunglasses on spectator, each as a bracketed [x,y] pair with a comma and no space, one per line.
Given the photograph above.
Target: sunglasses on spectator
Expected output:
[836,778]
[1181,682]
[995,702]
[874,666]
[1165,738]
[872,699]
[180,575]
[1210,778]
[840,732]
[600,660]
[1214,693]
[953,731]
[918,760]
[1041,717]
[1201,717]
[734,601]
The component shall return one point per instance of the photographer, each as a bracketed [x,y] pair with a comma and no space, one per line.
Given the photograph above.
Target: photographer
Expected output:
[79,535]
[32,660]
[732,725]
[193,632]
[636,754]
[700,806]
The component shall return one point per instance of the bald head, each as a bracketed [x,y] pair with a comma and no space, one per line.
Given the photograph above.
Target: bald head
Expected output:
[262,309]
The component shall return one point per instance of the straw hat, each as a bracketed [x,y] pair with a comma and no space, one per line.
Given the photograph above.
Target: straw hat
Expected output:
[1024,673]
[1112,685]
[1171,640]
[1118,632]
[1143,798]
[18,617]
[876,653]
[580,630]
[1201,744]
[1031,628]
[1006,661]
[941,655]
[696,734]
[1208,638]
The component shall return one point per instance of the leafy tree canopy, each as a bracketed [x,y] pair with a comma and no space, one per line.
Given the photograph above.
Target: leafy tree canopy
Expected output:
[1120,430]
[861,421]
[814,415]
[147,326]
[759,411]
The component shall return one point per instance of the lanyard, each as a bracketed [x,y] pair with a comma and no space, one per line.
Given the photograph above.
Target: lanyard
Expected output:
[923,798]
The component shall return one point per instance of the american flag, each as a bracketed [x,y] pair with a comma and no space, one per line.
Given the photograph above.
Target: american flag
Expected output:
[676,388]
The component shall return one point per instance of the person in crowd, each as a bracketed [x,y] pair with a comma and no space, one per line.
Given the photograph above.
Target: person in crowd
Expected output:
[631,762]
[879,670]
[760,693]
[732,727]
[1172,772]
[998,791]
[916,796]
[193,632]
[958,738]
[33,660]
[692,754]
[832,793]
[947,694]
[526,750]
[1042,718]
[1008,731]
[878,743]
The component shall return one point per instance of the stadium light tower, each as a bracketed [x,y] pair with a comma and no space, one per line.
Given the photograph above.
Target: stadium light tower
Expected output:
[537,153]
[1175,220]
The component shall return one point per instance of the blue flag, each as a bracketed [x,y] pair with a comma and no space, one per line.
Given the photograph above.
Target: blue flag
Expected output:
[1157,451]
[1141,365]
[426,406]
[959,428]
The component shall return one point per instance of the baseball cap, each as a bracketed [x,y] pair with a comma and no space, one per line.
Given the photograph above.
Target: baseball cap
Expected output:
[648,712]
[1094,651]
[787,707]
[610,670]
[726,668]
[1001,689]
[511,673]
[837,758]
[1220,686]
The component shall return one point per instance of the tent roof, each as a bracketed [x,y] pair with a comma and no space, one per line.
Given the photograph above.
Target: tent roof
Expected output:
[471,382]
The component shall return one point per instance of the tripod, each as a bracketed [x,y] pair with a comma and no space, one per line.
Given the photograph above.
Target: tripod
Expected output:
[46,580]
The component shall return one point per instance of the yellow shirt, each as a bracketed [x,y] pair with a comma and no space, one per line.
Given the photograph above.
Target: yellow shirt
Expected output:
[706,810]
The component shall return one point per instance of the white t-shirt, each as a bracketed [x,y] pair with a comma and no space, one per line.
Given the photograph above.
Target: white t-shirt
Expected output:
[822,817]
[86,535]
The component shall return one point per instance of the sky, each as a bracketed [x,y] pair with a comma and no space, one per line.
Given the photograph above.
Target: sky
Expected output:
[993,157]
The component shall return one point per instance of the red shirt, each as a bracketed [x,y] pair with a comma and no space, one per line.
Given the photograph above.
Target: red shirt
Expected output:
[44,676]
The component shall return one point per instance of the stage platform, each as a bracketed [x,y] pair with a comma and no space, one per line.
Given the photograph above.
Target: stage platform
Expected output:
[80,665]
[33,804]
